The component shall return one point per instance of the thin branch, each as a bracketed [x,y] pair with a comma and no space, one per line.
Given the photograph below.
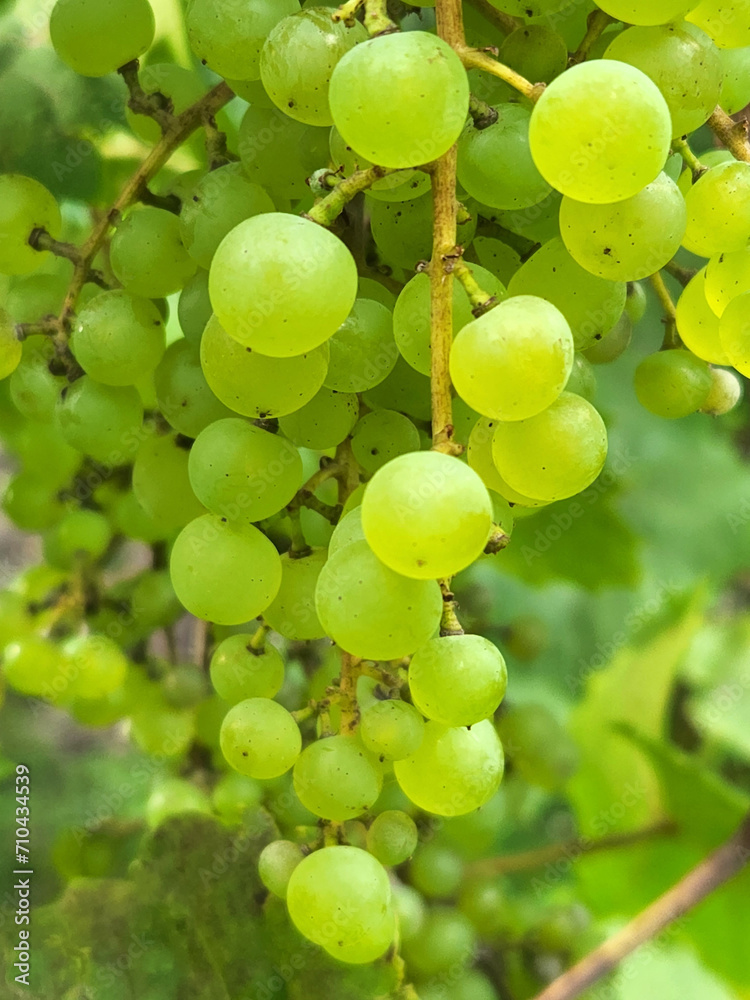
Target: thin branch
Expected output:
[690,160]
[504,22]
[481,301]
[216,144]
[671,337]
[155,106]
[449,623]
[482,59]
[347,11]
[347,692]
[596,22]
[377,21]
[258,640]
[707,876]
[327,471]
[682,274]
[329,208]
[169,202]
[731,133]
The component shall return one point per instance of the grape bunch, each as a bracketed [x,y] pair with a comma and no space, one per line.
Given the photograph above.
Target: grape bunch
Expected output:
[316,365]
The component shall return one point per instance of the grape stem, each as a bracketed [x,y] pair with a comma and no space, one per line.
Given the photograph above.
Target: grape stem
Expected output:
[683,274]
[155,106]
[481,301]
[505,22]
[377,21]
[258,641]
[347,692]
[690,159]
[328,209]
[346,12]
[596,22]
[484,59]
[40,239]
[497,541]
[482,114]
[347,471]
[168,202]
[671,337]
[731,133]
[216,145]
[449,623]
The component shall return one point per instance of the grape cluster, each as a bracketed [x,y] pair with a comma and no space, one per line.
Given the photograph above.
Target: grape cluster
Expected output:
[242,368]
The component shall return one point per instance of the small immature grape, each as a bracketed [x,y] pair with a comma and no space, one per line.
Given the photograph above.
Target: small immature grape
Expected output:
[335,778]
[239,671]
[79,536]
[381,436]
[25,205]
[436,871]
[96,38]
[118,338]
[228,36]
[324,422]
[161,484]
[234,795]
[582,379]
[458,679]
[724,394]
[194,307]
[718,210]
[538,745]
[446,941]
[609,348]
[259,738]
[672,384]
[173,796]
[292,612]
[404,390]
[402,230]
[102,421]
[698,324]
[276,863]
[363,351]
[391,729]
[535,50]
[147,254]
[392,837]
[734,331]
[184,396]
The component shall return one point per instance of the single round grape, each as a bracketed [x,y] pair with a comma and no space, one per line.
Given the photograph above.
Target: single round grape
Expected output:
[697,323]
[243,472]
[371,611]
[194,307]
[147,254]
[34,390]
[405,390]
[458,679]
[161,483]
[672,384]
[335,778]
[79,536]
[276,863]
[25,205]
[95,38]
[724,394]
[479,456]
[400,99]
[401,185]
[535,51]
[513,361]
[33,295]
[727,25]
[181,86]
[118,338]
[591,305]
[130,519]
[495,164]
[391,729]
[630,239]
[173,797]
[240,671]
[718,210]
[426,515]
[538,223]
[454,771]
[402,230]
[235,794]
[279,153]
[392,837]
[256,385]
[368,949]
[734,332]
[223,573]
[555,454]
[228,36]
[382,436]
[292,612]
[609,347]
[298,58]
[94,666]
[32,666]
[30,503]
[363,351]
[183,393]
[436,871]
[259,738]
[348,530]
[538,745]
[727,276]
[10,346]
[600,132]
[735,87]
[496,257]
[582,380]
[324,422]
[102,421]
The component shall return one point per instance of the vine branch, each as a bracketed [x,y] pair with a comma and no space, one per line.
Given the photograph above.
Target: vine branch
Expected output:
[596,22]
[155,106]
[689,158]
[329,208]
[671,337]
[483,59]
[731,133]
[481,301]
[504,22]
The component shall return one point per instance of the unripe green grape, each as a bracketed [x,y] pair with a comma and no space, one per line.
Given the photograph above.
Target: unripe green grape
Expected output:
[240,671]
[609,347]
[590,304]
[179,85]
[220,201]
[600,132]
[724,394]
[256,385]
[535,51]
[479,457]
[718,210]
[734,331]
[10,346]
[95,39]
[486,906]
[31,503]
[735,87]
[292,612]
[458,679]
[538,745]
[368,949]
[118,338]
[276,863]
[727,276]
[582,379]
[697,323]
[279,153]
[536,8]
[374,290]
[81,535]
[184,685]
[391,729]
[234,795]
[446,941]
[400,99]
[33,295]
[260,738]
[728,26]
[130,519]
[324,422]
[363,351]
[33,388]
[402,230]
[160,729]
[243,472]
[405,390]
[381,436]
[15,620]
[102,421]
[426,515]
[147,254]
[298,58]
[173,797]
[347,531]
[672,384]
[643,12]
[228,37]
[555,454]
[436,871]
[31,666]
[402,185]
[335,778]
[513,361]
[25,205]
[392,837]
[538,223]
[161,484]
[183,393]
[496,257]
[194,307]
[371,611]
[224,573]
[410,910]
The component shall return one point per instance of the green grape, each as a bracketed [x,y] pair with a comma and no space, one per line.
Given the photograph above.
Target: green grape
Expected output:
[497,257]
[535,51]
[179,85]
[25,205]
[281,284]
[259,738]
[228,36]
[513,361]
[220,201]
[582,380]
[673,383]
[391,729]
[348,530]
[697,323]
[118,339]
[642,12]
[381,436]
[458,679]
[724,394]
[735,87]
[426,515]
[609,347]
[43,452]
[479,456]
[718,210]
[292,612]
[34,295]
[486,905]
[535,8]
[446,942]
[276,863]
[600,131]
[684,64]
[402,230]
[400,99]
[727,276]
[538,223]
[591,305]
[147,255]
[539,746]
[161,483]
[184,685]
[103,421]
[279,153]
[405,390]
[15,620]
[173,797]
[411,316]
[363,352]
[401,185]
[727,25]
[183,393]
[436,871]
[410,910]
[372,612]
[370,288]
[34,666]
[224,573]
[255,385]
[234,795]
[34,389]
[131,520]
[10,346]
[495,164]
[240,671]
[80,536]
[95,38]
[30,503]
[194,307]
[392,837]
[734,332]
[298,58]
[336,778]
[160,729]
[555,454]
[243,472]
[340,896]
[324,422]
[630,239]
